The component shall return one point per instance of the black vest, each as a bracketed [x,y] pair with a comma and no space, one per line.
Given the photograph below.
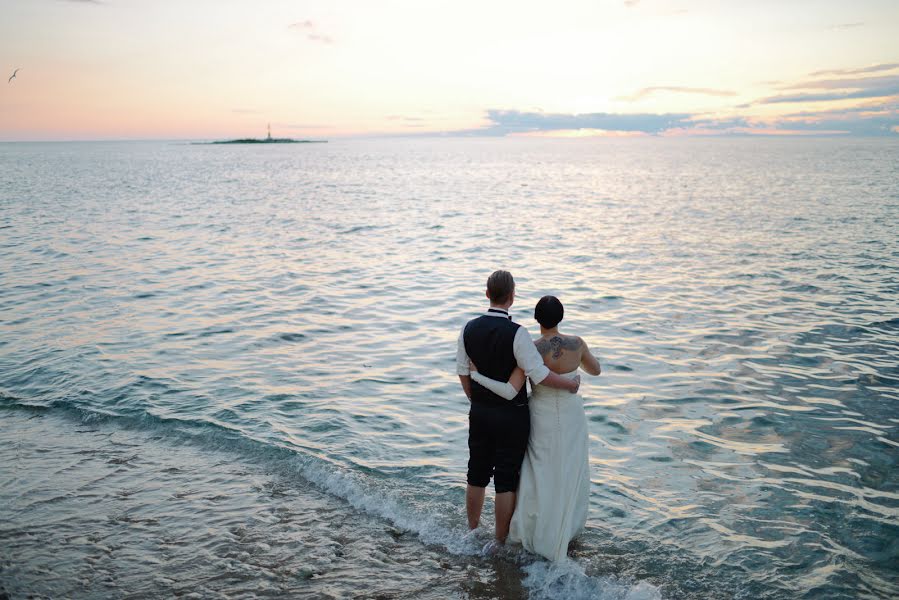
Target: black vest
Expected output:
[488,343]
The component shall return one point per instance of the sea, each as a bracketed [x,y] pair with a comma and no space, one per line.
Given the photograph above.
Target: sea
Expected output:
[229,371]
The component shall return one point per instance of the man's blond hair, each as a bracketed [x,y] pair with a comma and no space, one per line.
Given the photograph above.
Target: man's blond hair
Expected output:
[500,286]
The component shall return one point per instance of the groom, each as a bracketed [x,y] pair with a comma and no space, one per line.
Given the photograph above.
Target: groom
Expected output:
[498,429]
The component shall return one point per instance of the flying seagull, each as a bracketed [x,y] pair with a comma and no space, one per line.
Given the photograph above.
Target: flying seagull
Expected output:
[13,76]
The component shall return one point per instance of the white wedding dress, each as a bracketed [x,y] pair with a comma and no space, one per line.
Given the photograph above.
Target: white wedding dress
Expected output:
[554,491]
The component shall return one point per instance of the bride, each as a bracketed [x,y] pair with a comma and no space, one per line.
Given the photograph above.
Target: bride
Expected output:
[553,493]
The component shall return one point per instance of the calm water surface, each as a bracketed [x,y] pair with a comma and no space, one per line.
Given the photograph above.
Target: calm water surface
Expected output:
[229,371]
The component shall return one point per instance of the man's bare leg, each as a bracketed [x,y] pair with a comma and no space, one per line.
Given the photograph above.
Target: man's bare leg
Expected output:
[474,504]
[504,505]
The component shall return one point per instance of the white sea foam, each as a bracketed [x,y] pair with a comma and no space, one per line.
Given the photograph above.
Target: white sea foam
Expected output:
[567,579]
[364,496]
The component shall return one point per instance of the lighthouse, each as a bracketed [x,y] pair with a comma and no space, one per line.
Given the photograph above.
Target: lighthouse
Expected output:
[269,138]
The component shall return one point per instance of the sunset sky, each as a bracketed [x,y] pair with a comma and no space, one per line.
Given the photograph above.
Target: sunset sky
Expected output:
[200,69]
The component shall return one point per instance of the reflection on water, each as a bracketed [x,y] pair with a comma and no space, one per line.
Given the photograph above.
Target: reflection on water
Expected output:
[296,309]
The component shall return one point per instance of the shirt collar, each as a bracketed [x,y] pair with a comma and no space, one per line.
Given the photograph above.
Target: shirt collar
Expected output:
[498,312]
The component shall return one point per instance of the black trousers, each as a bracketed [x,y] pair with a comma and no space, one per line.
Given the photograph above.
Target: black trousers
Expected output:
[497,440]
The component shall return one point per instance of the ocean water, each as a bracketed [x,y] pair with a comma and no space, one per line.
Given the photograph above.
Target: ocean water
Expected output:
[228,371]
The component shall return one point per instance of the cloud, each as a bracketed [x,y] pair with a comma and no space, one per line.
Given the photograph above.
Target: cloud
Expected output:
[631,3]
[873,107]
[844,26]
[875,119]
[506,122]
[858,71]
[311,29]
[874,112]
[719,124]
[872,87]
[871,121]
[411,122]
[316,37]
[851,124]
[648,91]
[851,88]
[843,84]
[407,119]
[873,93]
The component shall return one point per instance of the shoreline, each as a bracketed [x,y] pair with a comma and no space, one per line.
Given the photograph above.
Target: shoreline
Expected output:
[128,505]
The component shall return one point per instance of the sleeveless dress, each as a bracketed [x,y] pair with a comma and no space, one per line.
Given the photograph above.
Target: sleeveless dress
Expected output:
[554,490]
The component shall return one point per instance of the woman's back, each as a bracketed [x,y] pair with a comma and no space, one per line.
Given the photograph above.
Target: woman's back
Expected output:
[561,353]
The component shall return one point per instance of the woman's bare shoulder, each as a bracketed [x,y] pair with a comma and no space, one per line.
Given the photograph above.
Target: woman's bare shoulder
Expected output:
[573,342]
[554,345]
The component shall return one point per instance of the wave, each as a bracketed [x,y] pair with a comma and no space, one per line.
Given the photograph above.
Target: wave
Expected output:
[567,579]
[435,522]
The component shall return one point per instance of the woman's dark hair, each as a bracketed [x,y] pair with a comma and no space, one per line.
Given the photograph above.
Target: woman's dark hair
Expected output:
[549,311]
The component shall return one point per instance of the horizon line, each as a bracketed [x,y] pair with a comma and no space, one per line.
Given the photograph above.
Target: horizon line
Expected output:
[455,135]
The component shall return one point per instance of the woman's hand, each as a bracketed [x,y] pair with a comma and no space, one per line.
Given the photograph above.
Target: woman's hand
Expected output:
[576,384]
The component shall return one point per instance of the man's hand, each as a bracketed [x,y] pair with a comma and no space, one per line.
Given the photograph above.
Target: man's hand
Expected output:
[471,366]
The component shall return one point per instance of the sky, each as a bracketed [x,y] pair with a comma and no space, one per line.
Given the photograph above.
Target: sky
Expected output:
[211,69]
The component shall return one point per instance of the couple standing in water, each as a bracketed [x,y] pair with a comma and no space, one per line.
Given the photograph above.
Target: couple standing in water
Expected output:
[534,449]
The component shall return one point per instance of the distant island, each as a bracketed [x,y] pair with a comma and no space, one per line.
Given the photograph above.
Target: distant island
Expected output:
[269,140]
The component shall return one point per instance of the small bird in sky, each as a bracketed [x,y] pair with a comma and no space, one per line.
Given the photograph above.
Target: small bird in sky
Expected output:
[13,76]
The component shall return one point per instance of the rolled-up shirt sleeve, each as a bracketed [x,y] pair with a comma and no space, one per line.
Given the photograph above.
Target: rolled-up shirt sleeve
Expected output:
[527,357]
[463,366]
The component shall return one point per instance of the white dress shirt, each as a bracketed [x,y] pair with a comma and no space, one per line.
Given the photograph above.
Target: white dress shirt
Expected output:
[523,347]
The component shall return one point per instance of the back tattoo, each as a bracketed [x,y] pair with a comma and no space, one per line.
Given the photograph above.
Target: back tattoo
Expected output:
[556,344]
